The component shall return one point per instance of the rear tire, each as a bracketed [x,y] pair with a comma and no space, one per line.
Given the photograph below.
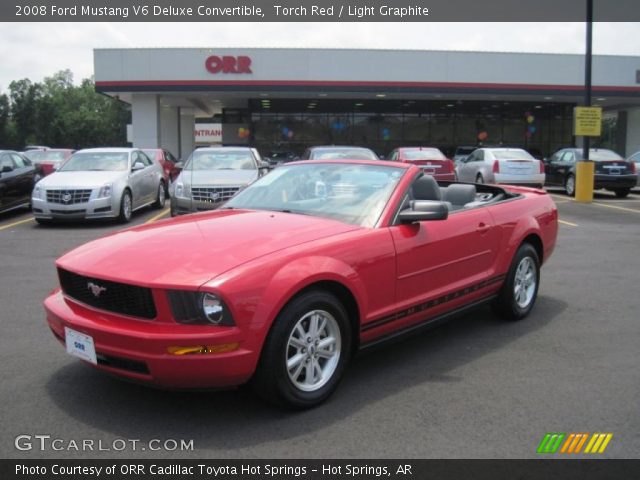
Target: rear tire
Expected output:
[622,192]
[126,207]
[306,352]
[479,178]
[570,185]
[161,196]
[520,290]
[43,221]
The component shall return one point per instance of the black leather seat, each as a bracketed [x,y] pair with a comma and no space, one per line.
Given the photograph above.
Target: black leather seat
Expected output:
[426,188]
[459,195]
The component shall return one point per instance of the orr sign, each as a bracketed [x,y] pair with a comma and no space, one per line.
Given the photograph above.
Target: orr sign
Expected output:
[228,64]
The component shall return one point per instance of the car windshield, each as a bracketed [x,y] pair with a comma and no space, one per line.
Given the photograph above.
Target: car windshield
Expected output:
[512,155]
[44,156]
[343,153]
[221,160]
[423,154]
[354,194]
[602,155]
[97,161]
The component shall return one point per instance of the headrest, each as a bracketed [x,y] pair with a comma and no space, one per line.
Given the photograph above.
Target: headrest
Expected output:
[426,188]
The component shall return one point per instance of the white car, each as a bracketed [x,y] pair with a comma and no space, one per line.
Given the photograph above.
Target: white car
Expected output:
[512,166]
[99,183]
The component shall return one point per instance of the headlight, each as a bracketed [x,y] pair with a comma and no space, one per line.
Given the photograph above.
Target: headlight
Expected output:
[105,191]
[197,308]
[38,192]
[183,190]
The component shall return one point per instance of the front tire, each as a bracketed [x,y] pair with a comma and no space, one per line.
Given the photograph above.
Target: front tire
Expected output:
[520,290]
[306,352]
[126,207]
[622,192]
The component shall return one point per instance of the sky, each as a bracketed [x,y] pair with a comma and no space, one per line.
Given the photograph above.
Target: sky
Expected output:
[38,50]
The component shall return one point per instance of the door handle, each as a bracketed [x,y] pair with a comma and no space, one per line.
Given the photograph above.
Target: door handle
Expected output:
[482,228]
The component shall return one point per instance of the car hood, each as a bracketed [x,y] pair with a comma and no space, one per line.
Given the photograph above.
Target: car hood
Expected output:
[186,252]
[218,177]
[80,179]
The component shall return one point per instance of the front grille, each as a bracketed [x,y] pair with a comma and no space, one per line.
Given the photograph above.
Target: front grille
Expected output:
[122,363]
[68,197]
[213,194]
[110,296]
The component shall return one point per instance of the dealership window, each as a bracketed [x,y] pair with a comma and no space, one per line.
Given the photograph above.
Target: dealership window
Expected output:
[417,127]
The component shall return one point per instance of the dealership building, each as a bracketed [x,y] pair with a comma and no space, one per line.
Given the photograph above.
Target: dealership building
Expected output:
[287,99]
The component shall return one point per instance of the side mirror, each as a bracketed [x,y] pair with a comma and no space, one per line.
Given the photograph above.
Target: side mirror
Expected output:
[6,169]
[137,166]
[264,165]
[424,210]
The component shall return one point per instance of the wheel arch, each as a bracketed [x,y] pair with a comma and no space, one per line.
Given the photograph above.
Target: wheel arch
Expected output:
[536,242]
[345,296]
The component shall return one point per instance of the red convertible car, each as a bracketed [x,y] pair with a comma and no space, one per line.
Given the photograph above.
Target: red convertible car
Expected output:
[283,284]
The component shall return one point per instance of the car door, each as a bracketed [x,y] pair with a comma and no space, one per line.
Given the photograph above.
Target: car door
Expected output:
[469,168]
[139,191]
[24,177]
[8,190]
[153,173]
[561,166]
[444,264]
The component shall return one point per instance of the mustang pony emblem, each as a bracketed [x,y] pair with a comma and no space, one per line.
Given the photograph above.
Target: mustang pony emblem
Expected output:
[96,289]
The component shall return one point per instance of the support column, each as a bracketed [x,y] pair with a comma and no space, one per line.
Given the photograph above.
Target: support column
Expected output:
[632,142]
[170,129]
[145,119]
[187,138]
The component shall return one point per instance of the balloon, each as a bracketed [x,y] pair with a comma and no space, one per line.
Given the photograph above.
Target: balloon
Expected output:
[482,136]
[290,134]
[530,119]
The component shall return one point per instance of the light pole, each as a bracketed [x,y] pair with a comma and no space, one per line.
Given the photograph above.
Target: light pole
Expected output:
[585,168]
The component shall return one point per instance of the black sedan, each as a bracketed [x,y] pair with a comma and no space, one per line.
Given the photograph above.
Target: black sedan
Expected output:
[18,175]
[611,171]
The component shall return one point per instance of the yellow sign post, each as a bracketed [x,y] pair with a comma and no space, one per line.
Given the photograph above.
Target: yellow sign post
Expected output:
[587,123]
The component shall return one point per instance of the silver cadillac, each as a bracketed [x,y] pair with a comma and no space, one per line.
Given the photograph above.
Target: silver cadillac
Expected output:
[99,183]
[211,176]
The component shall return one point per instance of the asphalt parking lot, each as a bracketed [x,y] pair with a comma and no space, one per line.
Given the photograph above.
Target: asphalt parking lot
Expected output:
[473,388]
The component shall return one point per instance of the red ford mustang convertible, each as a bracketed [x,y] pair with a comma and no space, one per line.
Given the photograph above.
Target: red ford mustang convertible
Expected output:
[284,283]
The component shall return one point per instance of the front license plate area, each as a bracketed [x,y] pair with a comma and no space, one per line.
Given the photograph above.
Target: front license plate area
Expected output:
[80,345]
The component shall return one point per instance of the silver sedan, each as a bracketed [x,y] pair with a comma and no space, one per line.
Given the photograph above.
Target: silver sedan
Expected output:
[512,166]
[100,183]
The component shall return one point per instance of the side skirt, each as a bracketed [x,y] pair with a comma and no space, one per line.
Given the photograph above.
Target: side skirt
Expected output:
[425,324]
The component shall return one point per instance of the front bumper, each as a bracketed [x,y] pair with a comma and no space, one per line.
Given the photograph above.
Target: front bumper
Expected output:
[614,182]
[182,206]
[94,208]
[137,349]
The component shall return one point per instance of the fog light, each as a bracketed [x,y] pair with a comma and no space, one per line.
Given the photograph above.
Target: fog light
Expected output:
[203,349]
